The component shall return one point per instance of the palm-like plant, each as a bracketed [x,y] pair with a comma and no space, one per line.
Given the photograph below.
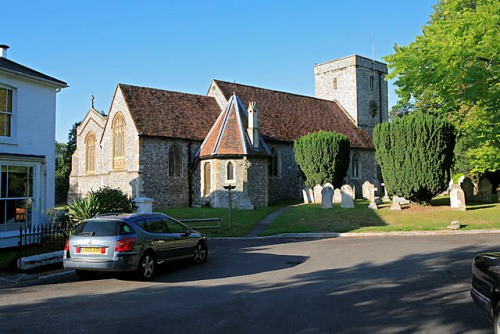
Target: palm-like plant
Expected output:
[84,208]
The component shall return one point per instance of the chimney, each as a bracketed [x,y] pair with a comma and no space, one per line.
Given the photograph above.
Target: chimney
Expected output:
[3,53]
[253,127]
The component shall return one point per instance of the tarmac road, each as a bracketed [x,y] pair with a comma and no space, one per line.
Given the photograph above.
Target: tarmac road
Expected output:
[396,284]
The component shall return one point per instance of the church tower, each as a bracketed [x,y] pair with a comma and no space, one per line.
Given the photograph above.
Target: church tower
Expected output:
[359,87]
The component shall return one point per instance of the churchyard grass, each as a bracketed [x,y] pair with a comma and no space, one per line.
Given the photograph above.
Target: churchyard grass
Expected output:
[312,218]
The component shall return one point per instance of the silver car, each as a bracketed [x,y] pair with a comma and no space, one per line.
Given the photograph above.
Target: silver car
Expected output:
[131,242]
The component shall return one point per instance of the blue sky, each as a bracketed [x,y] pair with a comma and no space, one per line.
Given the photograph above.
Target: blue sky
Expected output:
[182,45]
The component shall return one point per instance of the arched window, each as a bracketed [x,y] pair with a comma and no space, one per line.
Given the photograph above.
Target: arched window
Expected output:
[90,148]
[355,167]
[118,142]
[230,171]
[274,163]
[174,161]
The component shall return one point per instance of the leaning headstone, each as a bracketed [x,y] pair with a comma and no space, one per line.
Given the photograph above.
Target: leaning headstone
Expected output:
[346,194]
[455,225]
[317,193]
[337,197]
[457,198]
[468,188]
[484,190]
[327,197]
[306,193]
[400,200]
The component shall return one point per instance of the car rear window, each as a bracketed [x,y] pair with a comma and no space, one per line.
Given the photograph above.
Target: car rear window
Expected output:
[103,228]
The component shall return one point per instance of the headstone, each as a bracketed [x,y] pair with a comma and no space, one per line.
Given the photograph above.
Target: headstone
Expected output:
[484,190]
[367,188]
[457,198]
[306,193]
[455,225]
[386,195]
[467,186]
[327,197]
[347,200]
[317,193]
[400,200]
[337,197]
[396,206]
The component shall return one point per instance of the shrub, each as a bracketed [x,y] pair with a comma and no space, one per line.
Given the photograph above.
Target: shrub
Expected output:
[415,154]
[84,208]
[323,157]
[113,200]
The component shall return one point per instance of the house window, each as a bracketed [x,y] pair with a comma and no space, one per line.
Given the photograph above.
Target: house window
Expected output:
[274,163]
[355,167]
[5,112]
[174,161]
[118,142]
[90,153]
[230,171]
[16,196]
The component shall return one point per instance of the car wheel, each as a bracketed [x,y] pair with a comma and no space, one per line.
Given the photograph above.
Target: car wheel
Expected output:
[496,319]
[200,253]
[85,274]
[147,266]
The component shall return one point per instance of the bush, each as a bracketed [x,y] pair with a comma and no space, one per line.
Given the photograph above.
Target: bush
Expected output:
[84,208]
[323,157]
[415,154]
[113,200]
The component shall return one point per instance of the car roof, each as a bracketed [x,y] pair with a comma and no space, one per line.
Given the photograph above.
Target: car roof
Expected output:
[127,216]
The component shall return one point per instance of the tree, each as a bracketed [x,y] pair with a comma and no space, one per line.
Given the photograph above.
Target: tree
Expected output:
[323,157]
[452,69]
[415,154]
[64,153]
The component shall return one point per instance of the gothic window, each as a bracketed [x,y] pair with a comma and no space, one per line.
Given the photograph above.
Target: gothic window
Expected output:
[230,171]
[274,163]
[118,142]
[373,108]
[355,166]
[372,82]
[174,161]
[90,153]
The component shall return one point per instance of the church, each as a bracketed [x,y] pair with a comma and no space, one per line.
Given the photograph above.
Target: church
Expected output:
[184,150]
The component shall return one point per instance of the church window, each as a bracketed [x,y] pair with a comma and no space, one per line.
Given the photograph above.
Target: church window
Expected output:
[230,171]
[274,163]
[118,142]
[372,82]
[174,161]
[90,149]
[373,108]
[334,83]
[6,112]
[355,166]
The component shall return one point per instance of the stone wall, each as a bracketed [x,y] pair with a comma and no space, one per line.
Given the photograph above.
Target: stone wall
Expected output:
[289,182]
[368,170]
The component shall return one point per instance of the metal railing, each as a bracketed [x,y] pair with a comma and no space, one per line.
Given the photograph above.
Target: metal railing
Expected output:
[41,239]
[214,223]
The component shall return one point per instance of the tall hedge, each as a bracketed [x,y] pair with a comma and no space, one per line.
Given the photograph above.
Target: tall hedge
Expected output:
[415,154]
[323,157]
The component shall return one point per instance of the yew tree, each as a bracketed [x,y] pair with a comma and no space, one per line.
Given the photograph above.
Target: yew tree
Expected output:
[323,157]
[415,153]
[453,69]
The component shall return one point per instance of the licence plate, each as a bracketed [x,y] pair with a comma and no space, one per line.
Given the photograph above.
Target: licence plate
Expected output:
[92,250]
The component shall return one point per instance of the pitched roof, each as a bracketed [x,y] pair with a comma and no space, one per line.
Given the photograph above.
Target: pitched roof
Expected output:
[10,66]
[162,113]
[228,135]
[286,116]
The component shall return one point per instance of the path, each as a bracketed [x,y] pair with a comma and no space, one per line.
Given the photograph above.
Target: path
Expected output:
[264,223]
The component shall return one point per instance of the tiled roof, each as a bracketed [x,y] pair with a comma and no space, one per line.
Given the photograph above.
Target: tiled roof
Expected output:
[162,113]
[286,117]
[228,135]
[13,67]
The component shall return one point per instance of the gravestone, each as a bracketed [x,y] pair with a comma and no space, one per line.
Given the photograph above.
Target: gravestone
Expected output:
[337,197]
[468,187]
[457,198]
[386,195]
[396,206]
[367,188]
[306,193]
[327,197]
[484,190]
[347,197]
[317,193]
[400,200]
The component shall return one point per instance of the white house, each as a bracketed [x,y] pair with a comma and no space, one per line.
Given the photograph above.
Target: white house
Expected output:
[27,146]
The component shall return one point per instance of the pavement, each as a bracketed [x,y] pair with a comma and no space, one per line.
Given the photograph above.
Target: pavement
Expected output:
[10,279]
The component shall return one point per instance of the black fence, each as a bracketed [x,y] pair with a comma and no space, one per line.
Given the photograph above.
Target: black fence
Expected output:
[41,239]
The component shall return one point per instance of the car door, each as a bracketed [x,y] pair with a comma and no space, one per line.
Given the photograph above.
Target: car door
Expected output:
[185,244]
[163,241]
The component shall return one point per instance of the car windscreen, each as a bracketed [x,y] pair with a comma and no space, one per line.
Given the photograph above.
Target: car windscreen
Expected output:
[98,228]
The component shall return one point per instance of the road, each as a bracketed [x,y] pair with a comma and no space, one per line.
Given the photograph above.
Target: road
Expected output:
[417,284]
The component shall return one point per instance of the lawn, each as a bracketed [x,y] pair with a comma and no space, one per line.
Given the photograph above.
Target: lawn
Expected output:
[312,218]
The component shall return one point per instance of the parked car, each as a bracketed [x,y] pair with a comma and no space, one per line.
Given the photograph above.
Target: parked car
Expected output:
[486,286]
[131,242]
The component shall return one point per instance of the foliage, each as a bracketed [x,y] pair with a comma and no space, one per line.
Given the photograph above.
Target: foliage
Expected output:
[84,208]
[64,153]
[452,69]
[415,154]
[113,200]
[323,157]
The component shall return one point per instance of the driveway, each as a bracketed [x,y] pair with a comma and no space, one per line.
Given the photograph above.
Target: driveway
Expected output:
[341,285]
